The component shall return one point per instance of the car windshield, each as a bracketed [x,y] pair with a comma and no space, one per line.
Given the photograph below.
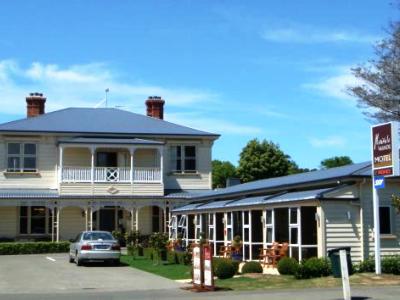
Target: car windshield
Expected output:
[94,236]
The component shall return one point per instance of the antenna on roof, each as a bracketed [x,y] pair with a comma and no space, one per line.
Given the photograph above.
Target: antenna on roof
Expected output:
[107,90]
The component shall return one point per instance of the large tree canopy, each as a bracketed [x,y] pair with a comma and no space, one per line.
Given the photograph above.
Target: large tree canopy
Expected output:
[259,160]
[379,91]
[336,161]
[221,171]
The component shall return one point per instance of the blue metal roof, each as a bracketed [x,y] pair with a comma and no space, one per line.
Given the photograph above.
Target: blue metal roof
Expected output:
[188,207]
[247,201]
[297,196]
[359,169]
[99,121]
[260,200]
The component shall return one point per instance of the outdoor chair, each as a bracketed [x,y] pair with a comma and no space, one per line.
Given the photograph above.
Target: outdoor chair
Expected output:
[266,253]
[225,251]
[274,257]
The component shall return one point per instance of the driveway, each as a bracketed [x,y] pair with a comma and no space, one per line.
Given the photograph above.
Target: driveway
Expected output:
[52,273]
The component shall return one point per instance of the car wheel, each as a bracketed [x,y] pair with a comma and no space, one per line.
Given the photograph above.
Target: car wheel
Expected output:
[78,262]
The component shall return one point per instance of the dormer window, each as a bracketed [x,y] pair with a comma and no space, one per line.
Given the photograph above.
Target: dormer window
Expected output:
[183,159]
[21,157]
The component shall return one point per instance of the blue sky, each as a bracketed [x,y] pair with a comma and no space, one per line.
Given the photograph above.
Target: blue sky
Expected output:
[273,70]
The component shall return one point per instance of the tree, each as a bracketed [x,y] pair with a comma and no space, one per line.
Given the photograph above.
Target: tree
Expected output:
[336,161]
[295,169]
[259,160]
[379,90]
[221,171]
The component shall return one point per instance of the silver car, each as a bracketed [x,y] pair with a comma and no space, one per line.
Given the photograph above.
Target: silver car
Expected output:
[94,246]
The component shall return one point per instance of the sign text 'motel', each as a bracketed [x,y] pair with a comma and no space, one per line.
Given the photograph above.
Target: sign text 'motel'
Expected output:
[385,149]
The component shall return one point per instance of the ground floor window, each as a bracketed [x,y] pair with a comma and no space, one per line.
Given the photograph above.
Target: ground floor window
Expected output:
[34,220]
[385,220]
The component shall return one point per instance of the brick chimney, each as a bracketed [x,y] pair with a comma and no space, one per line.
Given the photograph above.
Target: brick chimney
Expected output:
[35,105]
[155,107]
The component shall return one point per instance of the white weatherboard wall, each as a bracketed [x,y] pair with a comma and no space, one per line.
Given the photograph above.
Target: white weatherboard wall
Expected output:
[71,222]
[201,180]
[8,221]
[390,244]
[46,164]
[340,230]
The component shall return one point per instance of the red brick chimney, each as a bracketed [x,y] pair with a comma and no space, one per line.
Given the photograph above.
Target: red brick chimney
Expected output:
[155,107]
[35,105]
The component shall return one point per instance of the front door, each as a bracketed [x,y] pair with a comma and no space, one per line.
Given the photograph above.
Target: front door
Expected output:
[106,159]
[107,219]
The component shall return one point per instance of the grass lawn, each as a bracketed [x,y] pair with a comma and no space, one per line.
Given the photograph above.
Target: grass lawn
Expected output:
[165,270]
[258,281]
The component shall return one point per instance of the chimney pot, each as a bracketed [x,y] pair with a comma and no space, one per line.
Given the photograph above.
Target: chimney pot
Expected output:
[35,104]
[155,107]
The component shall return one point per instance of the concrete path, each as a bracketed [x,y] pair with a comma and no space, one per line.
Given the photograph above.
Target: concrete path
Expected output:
[52,273]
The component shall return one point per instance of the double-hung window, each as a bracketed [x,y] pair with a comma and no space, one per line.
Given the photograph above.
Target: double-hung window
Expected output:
[21,157]
[183,159]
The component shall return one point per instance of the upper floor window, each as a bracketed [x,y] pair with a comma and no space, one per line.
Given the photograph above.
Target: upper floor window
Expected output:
[21,157]
[183,159]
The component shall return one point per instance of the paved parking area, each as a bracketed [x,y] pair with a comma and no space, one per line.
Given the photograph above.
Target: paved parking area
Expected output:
[52,273]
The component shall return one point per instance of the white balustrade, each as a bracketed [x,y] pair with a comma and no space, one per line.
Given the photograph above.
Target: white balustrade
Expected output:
[142,175]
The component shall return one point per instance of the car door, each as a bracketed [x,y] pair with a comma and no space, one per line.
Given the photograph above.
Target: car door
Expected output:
[74,244]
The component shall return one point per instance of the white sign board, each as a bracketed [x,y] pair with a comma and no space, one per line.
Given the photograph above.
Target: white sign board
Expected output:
[197,265]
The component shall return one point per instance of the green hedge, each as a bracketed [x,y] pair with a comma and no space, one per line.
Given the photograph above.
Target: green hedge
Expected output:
[252,267]
[288,266]
[313,267]
[390,265]
[177,257]
[33,247]
[224,269]
[217,260]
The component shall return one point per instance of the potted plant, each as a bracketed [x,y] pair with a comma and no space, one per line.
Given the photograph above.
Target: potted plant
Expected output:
[237,248]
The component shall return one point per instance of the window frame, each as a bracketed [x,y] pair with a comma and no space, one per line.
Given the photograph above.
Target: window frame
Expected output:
[47,217]
[183,158]
[21,156]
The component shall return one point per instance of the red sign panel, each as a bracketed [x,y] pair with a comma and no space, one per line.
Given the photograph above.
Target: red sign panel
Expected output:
[382,145]
[383,172]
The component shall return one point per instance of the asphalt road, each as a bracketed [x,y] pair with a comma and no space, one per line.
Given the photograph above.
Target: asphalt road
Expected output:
[45,277]
[52,274]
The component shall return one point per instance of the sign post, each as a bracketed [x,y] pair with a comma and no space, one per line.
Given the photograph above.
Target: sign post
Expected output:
[197,267]
[385,163]
[345,275]
[208,268]
[203,276]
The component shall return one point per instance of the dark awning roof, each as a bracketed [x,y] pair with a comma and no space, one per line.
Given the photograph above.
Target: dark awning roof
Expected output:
[119,141]
[28,193]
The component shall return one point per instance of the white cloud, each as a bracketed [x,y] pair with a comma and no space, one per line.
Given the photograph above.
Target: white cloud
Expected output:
[83,86]
[202,122]
[309,35]
[329,141]
[335,86]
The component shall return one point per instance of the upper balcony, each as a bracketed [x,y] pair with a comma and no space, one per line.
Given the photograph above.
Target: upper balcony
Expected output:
[99,166]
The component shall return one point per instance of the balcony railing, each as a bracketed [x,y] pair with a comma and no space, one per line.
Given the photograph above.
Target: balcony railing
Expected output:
[79,174]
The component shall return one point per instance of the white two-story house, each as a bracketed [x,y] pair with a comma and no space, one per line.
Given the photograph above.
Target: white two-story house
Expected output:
[96,168]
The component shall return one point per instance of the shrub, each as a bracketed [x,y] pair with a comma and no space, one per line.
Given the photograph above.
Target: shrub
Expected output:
[288,266]
[252,267]
[313,267]
[391,264]
[183,258]
[236,264]
[132,237]
[33,248]
[367,265]
[148,253]
[224,269]
[172,258]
